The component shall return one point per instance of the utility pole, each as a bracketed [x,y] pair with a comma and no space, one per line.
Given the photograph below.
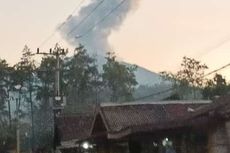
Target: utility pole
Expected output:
[17,128]
[18,89]
[32,109]
[58,99]
[57,52]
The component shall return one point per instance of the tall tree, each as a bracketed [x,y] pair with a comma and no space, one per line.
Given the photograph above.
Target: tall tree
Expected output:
[119,79]
[191,76]
[24,68]
[192,72]
[43,112]
[46,75]
[23,76]
[4,88]
[82,77]
[6,131]
[215,87]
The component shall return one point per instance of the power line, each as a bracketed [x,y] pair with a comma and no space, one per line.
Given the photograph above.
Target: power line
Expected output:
[214,71]
[217,45]
[211,48]
[54,32]
[77,7]
[154,94]
[85,18]
[171,89]
[102,19]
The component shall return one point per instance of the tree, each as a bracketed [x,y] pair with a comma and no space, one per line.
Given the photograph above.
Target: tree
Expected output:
[208,89]
[81,77]
[24,68]
[4,88]
[46,76]
[6,131]
[22,75]
[215,87]
[192,72]
[119,79]
[43,117]
[191,76]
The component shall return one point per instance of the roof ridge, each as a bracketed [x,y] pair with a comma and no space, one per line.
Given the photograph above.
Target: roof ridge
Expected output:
[157,103]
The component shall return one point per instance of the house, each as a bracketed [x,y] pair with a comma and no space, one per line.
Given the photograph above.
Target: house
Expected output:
[179,126]
[72,129]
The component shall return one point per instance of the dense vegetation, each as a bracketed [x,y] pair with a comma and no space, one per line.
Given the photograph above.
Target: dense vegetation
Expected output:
[191,82]
[81,82]
[84,84]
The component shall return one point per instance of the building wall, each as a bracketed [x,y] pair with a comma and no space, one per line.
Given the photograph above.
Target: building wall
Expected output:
[219,138]
[112,147]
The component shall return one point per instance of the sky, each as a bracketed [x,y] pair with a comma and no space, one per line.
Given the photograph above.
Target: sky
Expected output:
[155,35]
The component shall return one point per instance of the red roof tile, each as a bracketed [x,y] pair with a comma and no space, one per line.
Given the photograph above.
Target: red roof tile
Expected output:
[121,117]
[74,127]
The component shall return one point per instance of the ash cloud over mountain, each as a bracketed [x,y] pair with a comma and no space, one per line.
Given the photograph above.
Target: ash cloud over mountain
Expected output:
[96,40]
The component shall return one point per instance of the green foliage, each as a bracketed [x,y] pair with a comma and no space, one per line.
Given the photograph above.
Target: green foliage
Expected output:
[192,72]
[81,77]
[4,71]
[5,85]
[215,87]
[46,75]
[190,77]
[4,82]
[80,81]
[22,74]
[43,113]
[119,79]
[24,68]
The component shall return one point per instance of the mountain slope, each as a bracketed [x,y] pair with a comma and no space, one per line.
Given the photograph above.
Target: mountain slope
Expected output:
[146,77]
[143,76]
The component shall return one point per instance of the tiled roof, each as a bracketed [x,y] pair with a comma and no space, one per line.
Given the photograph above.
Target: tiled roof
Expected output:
[74,127]
[123,119]
[119,117]
[220,106]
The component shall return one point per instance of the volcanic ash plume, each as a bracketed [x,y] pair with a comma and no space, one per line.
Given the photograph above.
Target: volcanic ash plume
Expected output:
[77,29]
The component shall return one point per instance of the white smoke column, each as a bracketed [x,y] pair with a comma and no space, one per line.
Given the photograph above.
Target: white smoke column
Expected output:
[97,39]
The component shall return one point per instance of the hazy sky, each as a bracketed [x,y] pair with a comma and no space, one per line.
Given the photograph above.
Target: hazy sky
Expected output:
[156,35]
